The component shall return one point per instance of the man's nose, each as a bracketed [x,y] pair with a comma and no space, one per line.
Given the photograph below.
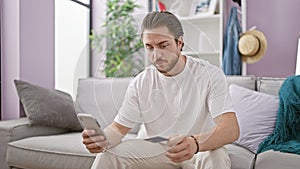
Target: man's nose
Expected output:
[156,53]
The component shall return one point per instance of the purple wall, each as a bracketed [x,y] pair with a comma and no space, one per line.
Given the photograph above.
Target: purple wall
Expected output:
[279,20]
[10,58]
[37,42]
[28,48]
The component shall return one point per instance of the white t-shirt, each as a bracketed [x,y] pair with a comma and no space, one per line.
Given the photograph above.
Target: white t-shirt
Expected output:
[181,104]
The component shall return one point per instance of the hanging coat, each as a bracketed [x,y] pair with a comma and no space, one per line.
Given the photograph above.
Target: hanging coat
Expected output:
[238,1]
[232,62]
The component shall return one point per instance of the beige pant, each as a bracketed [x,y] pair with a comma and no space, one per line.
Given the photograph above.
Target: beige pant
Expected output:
[138,154]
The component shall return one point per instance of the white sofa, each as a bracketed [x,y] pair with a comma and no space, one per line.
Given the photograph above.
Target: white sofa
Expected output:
[41,147]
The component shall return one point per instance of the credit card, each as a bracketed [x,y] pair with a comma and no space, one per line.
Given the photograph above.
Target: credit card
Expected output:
[156,139]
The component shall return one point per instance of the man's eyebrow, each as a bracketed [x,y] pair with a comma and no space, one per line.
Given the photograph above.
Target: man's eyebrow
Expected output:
[161,42]
[165,41]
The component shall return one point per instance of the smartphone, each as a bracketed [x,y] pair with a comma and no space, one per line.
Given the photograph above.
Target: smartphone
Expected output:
[88,121]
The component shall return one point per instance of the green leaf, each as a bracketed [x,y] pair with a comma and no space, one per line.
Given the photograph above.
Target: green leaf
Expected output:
[121,39]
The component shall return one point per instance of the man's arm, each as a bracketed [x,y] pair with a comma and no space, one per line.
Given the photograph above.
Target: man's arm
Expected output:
[97,144]
[225,131]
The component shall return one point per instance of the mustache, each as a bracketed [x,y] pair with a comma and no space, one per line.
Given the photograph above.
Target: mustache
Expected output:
[159,60]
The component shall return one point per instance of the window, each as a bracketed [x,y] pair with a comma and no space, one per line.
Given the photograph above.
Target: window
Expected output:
[72,29]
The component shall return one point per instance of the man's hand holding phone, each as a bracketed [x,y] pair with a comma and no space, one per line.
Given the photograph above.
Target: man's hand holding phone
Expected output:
[93,142]
[93,136]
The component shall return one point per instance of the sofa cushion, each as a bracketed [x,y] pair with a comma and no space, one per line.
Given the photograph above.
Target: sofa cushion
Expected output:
[102,98]
[47,107]
[11,130]
[275,159]
[256,113]
[53,152]
[269,85]
[240,157]
[244,81]
[62,151]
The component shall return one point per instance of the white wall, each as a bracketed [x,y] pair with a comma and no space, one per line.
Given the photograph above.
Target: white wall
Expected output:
[71,45]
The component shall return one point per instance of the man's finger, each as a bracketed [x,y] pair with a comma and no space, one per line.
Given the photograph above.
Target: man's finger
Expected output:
[88,133]
[102,145]
[93,139]
[178,148]
[96,150]
[175,140]
[181,159]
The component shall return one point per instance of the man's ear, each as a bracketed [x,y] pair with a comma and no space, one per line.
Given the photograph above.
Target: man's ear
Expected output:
[180,43]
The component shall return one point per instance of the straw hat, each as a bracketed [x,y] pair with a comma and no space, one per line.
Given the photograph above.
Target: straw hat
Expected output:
[252,46]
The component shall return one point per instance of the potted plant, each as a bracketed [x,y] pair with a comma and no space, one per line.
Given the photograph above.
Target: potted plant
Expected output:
[122,41]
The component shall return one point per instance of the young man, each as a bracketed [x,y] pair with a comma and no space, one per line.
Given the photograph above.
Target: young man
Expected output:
[180,98]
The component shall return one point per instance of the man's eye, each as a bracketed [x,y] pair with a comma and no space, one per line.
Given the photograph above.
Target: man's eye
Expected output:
[149,47]
[163,46]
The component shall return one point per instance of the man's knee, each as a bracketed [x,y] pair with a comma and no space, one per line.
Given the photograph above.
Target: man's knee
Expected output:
[110,160]
[218,158]
[133,154]
[105,160]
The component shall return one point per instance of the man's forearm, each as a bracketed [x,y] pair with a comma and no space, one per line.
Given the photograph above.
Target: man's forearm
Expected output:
[226,131]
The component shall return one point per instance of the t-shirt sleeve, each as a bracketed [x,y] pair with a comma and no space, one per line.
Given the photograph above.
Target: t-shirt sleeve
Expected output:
[129,113]
[219,100]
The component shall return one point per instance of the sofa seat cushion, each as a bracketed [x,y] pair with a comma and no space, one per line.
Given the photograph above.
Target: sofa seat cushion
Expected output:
[16,129]
[63,151]
[275,159]
[241,158]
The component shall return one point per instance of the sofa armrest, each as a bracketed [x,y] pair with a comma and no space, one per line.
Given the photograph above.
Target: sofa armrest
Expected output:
[20,128]
[241,157]
[12,130]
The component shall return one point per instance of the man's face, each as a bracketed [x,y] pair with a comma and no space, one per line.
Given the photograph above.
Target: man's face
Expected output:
[161,48]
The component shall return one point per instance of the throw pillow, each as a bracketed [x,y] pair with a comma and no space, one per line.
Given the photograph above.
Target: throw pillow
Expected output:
[256,113]
[47,107]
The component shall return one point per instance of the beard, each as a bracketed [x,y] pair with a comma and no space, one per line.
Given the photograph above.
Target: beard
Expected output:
[166,65]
